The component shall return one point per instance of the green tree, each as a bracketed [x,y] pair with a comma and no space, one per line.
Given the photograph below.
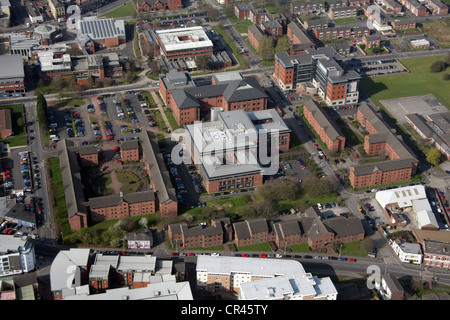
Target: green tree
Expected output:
[203,62]
[267,48]
[438,66]
[434,157]
[41,110]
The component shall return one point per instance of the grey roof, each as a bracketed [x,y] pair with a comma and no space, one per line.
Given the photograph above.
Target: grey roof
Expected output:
[98,29]
[11,67]
[298,32]
[71,178]
[384,166]
[18,212]
[246,229]
[342,226]
[242,90]
[129,145]
[331,129]
[158,172]
[256,31]
[116,199]
[232,91]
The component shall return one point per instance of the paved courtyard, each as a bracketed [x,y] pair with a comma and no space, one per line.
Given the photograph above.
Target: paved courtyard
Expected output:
[423,105]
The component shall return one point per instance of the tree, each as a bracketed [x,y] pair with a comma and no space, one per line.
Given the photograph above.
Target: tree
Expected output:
[446,77]
[434,156]
[267,48]
[203,62]
[438,66]
[41,110]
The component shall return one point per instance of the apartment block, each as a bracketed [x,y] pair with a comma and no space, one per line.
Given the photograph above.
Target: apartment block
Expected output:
[305,7]
[343,12]
[255,35]
[415,7]
[402,165]
[318,69]
[341,33]
[403,24]
[161,196]
[157,5]
[437,7]
[130,150]
[184,237]
[371,41]
[324,126]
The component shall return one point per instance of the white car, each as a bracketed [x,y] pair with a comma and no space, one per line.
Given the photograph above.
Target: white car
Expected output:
[278,255]
[319,206]
[215,254]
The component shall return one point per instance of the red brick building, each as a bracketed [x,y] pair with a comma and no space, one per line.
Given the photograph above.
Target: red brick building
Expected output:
[371,41]
[403,24]
[324,126]
[255,35]
[193,104]
[402,165]
[81,211]
[156,5]
[183,237]
[130,150]
[120,206]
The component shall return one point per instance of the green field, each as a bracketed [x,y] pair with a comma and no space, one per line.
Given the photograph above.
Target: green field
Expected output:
[419,81]
[344,20]
[124,11]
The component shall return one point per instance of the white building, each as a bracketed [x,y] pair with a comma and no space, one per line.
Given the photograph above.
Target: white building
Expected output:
[166,290]
[407,252]
[16,255]
[258,278]
[298,287]
[66,272]
[413,197]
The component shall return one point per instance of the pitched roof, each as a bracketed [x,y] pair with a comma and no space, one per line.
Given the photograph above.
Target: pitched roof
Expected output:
[5,119]
[331,129]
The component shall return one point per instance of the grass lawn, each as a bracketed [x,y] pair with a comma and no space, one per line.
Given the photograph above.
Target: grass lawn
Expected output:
[59,198]
[124,11]
[160,121]
[419,81]
[439,30]
[125,178]
[302,247]
[353,249]
[18,126]
[171,118]
[344,20]
[242,26]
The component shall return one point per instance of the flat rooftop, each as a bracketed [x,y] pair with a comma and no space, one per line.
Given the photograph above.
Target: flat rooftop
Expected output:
[11,67]
[184,39]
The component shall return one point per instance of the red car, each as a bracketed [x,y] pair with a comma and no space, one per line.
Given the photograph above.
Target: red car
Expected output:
[263,255]
[246,54]
[245,255]
[190,254]
[316,145]
[352,260]
[175,254]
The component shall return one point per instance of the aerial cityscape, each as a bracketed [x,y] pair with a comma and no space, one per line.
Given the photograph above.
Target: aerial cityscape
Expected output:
[224,150]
